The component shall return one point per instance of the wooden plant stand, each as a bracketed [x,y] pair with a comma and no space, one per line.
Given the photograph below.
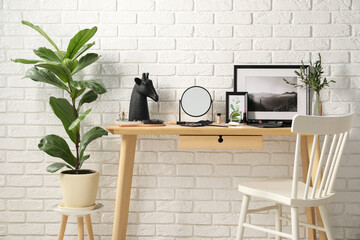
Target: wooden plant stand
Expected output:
[80,214]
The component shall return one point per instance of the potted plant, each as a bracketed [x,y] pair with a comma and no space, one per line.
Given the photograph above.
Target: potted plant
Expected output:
[313,80]
[79,186]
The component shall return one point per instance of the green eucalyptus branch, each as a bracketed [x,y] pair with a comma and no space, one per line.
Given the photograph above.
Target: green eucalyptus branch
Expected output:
[311,77]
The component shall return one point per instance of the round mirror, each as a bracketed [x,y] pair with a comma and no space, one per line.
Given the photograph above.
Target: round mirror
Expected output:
[196,101]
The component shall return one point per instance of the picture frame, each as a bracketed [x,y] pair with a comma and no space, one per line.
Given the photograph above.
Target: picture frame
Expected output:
[236,103]
[269,97]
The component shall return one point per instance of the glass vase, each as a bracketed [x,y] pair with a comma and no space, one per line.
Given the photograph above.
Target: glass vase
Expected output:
[316,105]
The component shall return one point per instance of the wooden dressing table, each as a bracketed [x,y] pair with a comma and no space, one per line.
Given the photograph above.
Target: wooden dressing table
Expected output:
[244,137]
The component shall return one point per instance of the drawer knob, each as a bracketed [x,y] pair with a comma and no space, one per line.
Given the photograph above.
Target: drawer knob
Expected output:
[220,140]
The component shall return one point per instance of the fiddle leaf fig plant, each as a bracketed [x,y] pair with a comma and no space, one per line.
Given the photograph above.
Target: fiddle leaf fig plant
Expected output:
[57,68]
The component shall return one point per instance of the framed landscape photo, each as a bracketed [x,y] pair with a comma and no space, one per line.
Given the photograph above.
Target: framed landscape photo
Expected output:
[236,104]
[269,96]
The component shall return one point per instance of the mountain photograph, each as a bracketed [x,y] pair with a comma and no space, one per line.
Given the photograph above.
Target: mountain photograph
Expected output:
[272,102]
[271,94]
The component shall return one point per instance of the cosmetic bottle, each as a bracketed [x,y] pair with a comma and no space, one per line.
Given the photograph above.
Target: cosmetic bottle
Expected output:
[244,117]
[218,118]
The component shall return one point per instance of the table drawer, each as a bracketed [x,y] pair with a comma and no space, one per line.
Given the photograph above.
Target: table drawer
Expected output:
[220,142]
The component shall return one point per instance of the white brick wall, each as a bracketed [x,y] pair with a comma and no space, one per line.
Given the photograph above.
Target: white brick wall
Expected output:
[176,194]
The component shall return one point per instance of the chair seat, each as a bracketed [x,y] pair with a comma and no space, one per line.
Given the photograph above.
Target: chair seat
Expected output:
[279,190]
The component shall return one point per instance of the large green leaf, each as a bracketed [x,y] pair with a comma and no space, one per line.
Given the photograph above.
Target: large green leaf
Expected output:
[85,61]
[88,97]
[76,123]
[26,61]
[57,166]
[60,54]
[89,136]
[47,54]
[39,30]
[79,40]
[65,112]
[45,76]
[56,146]
[70,64]
[83,49]
[91,84]
[82,160]
[75,93]
[58,69]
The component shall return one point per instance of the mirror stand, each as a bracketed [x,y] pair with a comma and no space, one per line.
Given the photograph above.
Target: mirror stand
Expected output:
[212,111]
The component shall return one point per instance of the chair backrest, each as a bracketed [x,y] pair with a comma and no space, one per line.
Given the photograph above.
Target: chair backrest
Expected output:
[336,130]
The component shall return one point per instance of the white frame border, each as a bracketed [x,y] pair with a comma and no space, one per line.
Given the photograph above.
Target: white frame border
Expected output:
[243,72]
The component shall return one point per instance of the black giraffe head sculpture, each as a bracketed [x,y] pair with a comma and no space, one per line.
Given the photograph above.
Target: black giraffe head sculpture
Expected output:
[138,104]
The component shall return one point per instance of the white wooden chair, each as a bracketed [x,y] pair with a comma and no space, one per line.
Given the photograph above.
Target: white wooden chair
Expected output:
[293,193]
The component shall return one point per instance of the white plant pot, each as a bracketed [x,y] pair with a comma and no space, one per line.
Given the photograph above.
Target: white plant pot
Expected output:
[79,190]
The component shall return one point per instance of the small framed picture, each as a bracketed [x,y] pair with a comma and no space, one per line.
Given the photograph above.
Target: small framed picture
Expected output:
[270,97]
[236,104]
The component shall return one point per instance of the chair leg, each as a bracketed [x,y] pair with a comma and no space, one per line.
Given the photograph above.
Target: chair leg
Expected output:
[325,219]
[89,227]
[64,219]
[295,223]
[278,224]
[242,219]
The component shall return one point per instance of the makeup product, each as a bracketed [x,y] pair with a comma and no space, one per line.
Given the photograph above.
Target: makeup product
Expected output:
[218,118]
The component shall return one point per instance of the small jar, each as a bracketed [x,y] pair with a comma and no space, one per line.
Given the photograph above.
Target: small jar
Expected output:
[218,118]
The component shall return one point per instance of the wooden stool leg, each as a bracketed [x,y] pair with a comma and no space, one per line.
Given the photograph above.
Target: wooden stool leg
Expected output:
[64,219]
[80,222]
[89,227]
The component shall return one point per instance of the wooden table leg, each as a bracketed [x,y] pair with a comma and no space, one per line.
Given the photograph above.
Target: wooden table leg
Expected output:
[126,164]
[64,219]
[89,227]
[80,223]
[322,235]
[310,211]
[306,145]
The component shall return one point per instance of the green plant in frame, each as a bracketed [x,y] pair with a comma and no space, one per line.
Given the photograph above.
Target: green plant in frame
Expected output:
[57,68]
[235,115]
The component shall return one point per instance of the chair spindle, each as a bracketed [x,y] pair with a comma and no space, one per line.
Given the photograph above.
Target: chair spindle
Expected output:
[337,163]
[325,192]
[327,165]
[318,172]
[308,178]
